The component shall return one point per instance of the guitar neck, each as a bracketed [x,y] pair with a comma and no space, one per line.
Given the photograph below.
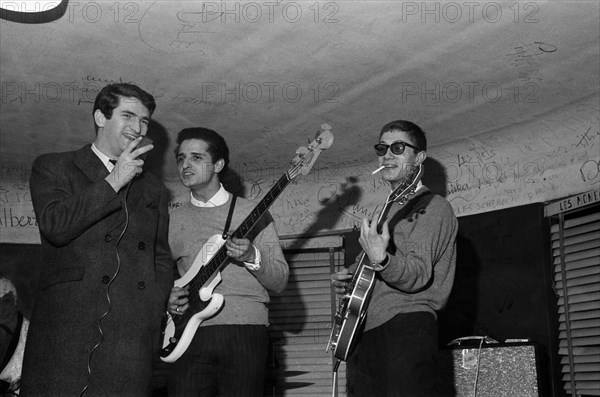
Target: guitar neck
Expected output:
[219,260]
[262,207]
[383,215]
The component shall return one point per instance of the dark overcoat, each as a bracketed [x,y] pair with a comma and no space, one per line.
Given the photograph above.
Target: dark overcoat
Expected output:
[106,277]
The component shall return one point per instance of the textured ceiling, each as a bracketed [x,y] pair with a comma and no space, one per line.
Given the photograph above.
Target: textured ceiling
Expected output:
[267,74]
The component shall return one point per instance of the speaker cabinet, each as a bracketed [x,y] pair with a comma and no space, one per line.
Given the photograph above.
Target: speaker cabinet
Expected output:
[495,370]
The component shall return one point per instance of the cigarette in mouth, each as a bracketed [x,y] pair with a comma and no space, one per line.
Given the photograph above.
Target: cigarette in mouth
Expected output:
[377,170]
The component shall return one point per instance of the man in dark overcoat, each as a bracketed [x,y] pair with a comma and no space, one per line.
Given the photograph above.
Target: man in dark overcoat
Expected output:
[107,267]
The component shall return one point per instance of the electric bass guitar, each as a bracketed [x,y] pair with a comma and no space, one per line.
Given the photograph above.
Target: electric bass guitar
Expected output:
[352,309]
[205,272]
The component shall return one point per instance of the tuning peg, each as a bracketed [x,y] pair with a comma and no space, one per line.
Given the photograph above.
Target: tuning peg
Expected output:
[301,154]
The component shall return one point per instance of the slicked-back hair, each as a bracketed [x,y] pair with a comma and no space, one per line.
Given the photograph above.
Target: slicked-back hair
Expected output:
[110,96]
[414,132]
[216,145]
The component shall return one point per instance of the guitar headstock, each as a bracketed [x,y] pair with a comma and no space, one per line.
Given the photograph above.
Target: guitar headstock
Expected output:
[407,187]
[307,155]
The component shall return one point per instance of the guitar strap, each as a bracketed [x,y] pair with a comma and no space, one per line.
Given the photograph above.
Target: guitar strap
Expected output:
[411,204]
[411,209]
[229,216]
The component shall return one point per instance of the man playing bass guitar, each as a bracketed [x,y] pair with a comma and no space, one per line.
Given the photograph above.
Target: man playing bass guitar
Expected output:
[413,256]
[228,353]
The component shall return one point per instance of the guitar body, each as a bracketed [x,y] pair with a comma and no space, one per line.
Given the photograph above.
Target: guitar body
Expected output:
[180,330]
[355,309]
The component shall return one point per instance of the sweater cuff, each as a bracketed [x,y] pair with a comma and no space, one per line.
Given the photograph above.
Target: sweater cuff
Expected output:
[381,265]
[254,266]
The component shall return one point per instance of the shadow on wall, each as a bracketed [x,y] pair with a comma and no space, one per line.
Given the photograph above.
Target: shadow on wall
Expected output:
[435,177]
[156,157]
[331,211]
[233,183]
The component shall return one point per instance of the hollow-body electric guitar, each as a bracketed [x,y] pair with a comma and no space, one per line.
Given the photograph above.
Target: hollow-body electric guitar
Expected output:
[205,272]
[352,310]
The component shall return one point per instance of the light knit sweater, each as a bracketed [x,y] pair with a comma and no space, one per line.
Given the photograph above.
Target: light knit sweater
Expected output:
[420,272]
[245,291]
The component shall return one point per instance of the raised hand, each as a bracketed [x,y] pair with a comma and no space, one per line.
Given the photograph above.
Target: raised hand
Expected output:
[128,165]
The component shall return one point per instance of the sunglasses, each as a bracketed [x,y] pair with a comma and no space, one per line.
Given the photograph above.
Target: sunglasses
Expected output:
[397,148]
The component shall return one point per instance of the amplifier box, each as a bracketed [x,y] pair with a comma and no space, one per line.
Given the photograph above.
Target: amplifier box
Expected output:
[494,370]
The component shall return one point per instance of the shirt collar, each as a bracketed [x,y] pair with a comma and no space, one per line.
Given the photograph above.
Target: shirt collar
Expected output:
[220,198]
[104,158]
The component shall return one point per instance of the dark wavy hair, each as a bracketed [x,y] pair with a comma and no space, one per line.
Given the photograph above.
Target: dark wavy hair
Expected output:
[414,132]
[216,145]
[110,96]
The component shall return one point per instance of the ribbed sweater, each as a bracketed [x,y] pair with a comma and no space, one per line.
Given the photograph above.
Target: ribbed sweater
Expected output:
[245,291]
[422,252]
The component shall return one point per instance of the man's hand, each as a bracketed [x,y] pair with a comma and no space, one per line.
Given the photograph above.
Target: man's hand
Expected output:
[240,249]
[128,165]
[340,282]
[178,300]
[373,243]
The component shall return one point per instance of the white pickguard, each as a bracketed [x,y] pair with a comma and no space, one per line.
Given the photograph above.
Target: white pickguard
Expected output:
[209,249]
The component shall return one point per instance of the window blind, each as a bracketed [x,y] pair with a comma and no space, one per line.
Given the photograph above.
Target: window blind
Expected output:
[300,320]
[576,257]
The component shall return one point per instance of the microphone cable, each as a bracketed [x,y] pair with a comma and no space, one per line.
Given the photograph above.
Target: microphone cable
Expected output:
[117,270]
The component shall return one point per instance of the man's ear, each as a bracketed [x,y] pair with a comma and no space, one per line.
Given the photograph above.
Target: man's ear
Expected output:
[219,165]
[99,118]
[421,156]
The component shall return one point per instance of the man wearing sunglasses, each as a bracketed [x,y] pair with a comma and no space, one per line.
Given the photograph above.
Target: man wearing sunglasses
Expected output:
[414,258]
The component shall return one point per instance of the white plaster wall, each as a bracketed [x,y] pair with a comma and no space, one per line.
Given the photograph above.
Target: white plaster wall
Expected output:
[547,158]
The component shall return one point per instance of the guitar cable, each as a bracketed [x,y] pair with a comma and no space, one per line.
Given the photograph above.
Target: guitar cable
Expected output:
[99,325]
[335,377]
[478,365]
